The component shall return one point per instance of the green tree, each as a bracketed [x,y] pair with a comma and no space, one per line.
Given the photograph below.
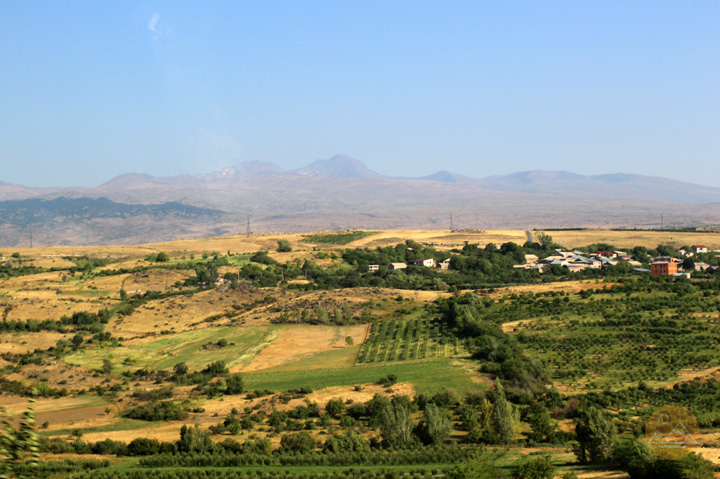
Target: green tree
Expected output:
[374,409]
[435,426]
[640,462]
[476,469]
[540,422]
[193,440]
[283,246]
[297,442]
[544,239]
[595,433]
[180,369]
[334,407]
[688,265]
[216,368]
[18,443]
[347,313]
[538,468]
[77,340]
[142,446]
[446,398]
[107,366]
[206,273]
[162,257]
[350,442]
[635,457]
[349,340]
[504,421]
[396,425]
[234,384]
[42,389]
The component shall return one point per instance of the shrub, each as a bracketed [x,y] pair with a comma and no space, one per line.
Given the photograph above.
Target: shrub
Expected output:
[142,446]
[297,442]
[476,469]
[539,468]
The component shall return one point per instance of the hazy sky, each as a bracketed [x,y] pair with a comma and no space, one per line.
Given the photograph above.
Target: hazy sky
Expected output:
[93,89]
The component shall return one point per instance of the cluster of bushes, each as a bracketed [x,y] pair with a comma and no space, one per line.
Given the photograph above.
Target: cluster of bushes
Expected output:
[85,264]
[7,270]
[80,320]
[153,394]
[205,379]
[487,341]
[598,443]
[636,457]
[159,411]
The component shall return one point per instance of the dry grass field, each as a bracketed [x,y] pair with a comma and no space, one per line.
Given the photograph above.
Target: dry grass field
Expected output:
[629,238]
[239,244]
[296,342]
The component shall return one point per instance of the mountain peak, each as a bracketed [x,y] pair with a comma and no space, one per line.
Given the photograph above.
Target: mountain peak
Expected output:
[339,166]
[246,169]
[446,176]
[128,180]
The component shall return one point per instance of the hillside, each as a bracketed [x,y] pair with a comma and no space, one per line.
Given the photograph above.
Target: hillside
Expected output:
[126,344]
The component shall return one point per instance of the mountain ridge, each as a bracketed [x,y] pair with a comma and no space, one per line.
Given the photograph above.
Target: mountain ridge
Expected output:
[556,182]
[341,193]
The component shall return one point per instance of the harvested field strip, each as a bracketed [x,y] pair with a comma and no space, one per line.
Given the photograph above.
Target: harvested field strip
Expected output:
[84,292]
[322,346]
[17,404]
[196,348]
[333,359]
[123,425]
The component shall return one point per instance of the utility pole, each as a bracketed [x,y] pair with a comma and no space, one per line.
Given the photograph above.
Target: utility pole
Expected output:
[247,230]
[451,222]
[662,221]
[31,232]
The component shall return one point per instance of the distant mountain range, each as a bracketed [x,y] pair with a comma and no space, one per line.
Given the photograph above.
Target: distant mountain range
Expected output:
[340,193]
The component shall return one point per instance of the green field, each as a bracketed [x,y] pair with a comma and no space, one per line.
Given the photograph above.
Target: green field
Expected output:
[337,238]
[190,347]
[333,359]
[426,376]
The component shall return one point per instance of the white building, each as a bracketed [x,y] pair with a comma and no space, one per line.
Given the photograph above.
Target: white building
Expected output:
[427,262]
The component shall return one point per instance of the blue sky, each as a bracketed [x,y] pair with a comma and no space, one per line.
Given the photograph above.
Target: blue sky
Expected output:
[90,90]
